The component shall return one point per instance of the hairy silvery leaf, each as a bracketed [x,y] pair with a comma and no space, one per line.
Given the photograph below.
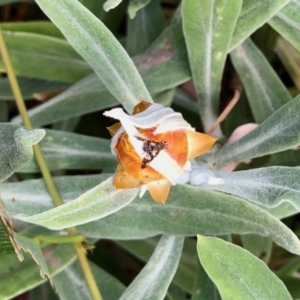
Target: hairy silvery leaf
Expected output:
[100,201]
[277,133]
[265,186]
[237,273]
[153,281]
[16,147]
[103,53]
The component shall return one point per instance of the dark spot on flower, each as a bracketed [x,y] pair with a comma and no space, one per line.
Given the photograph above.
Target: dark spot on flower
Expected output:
[152,149]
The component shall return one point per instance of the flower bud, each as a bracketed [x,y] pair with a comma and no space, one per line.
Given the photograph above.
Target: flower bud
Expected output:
[154,147]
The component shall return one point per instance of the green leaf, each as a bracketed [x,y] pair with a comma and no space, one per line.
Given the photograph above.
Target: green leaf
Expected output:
[40,27]
[111,4]
[99,47]
[153,281]
[204,288]
[16,147]
[186,269]
[19,277]
[29,87]
[135,6]
[208,38]
[163,66]
[94,204]
[264,89]
[184,213]
[277,133]
[254,14]
[260,246]
[110,287]
[44,289]
[144,28]
[182,99]
[292,284]
[286,22]
[45,57]
[264,186]
[33,248]
[66,150]
[31,197]
[87,95]
[237,273]
[290,58]
[5,244]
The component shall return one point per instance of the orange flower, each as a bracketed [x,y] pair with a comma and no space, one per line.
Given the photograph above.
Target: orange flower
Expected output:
[154,147]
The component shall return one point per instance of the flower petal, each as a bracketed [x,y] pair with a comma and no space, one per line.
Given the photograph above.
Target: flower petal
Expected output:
[143,105]
[159,190]
[123,181]
[198,143]
[114,128]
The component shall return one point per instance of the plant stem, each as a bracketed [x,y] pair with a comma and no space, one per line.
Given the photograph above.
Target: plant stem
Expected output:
[53,191]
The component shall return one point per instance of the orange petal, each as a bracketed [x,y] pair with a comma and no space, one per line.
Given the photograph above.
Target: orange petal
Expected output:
[114,128]
[123,181]
[177,143]
[198,143]
[159,190]
[143,105]
[132,163]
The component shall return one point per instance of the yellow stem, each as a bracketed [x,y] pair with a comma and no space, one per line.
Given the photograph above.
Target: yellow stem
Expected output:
[53,191]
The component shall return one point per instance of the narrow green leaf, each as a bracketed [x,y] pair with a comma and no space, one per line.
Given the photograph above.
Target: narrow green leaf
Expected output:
[264,186]
[287,23]
[110,4]
[163,66]
[153,281]
[265,91]
[43,292]
[45,57]
[237,273]
[207,38]
[33,248]
[184,213]
[136,5]
[66,150]
[94,204]
[40,27]
[204,288]
[31,197]
[290,58]
[144,28]
[277,133]
[16,147]
[182,99]
[29,87]
[109,286]
[292,284]
[104,53]
[254,14]
[5,244]
[87,95]
[19,277]
[260,246]
[186,269]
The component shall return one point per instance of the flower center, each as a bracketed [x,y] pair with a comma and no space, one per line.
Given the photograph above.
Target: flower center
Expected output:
[152,149]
